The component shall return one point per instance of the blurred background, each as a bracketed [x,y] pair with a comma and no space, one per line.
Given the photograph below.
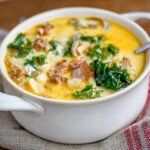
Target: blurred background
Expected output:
[14,11]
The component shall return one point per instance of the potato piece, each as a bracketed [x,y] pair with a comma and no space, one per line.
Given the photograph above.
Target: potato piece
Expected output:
[32,86]
[42,77]
[74,82]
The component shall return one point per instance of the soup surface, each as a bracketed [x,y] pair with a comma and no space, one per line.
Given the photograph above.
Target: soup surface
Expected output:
[74,58]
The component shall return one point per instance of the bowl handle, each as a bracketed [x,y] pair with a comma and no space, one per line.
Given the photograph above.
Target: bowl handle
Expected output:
[137,15]
[10,103]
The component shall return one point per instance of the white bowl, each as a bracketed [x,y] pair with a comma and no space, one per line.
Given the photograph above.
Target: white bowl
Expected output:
[79,121]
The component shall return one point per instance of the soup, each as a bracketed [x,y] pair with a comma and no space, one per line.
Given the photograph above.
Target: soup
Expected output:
[73,58]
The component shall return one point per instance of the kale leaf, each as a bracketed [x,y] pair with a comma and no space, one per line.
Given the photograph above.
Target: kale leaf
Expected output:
[18,42]
[112,49]
[110,75]
[103,52]
[31,62]
[40,60]
[87,38]
[53,45]
[87,93]
[96,51]
[22,45]
[56,47]
[67,49]
[92,39]
[36,61]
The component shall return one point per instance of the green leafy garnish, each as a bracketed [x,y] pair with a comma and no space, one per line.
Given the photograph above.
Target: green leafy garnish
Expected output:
[96,52]
[67,49]
[40,59]
[112,49]
[22,45]
[87,38]
[102,52]
[31,62]
[36,61]
[19,41]
[53,45]
[110,75]
[100,38]
[88,92]
[92,39]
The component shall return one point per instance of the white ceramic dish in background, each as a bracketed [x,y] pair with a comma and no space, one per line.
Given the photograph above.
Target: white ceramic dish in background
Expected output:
[78,121]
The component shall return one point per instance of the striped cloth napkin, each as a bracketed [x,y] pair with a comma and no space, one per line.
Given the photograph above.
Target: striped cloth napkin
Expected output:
[134,137]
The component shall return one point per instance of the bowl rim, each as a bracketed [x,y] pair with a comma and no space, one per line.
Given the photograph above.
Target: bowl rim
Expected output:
[27,94]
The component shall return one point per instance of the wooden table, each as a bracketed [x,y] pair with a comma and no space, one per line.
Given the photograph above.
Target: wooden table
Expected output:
[13,11]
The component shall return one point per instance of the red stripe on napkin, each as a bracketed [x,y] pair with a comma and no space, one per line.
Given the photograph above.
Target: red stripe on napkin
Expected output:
[129,140]
[146,132]
[136,137]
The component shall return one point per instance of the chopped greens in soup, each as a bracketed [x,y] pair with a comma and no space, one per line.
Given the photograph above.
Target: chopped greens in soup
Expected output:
[74,58]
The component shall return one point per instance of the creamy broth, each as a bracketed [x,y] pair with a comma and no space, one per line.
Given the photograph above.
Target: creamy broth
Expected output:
[58,57]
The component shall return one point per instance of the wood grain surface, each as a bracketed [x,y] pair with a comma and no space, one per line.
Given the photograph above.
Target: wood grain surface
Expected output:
[14,11]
